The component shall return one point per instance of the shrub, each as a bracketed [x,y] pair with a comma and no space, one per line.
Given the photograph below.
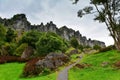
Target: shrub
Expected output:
[50,42]
[7,59]
[96,47]
[81,47]
[8,48]
[20,49]
[30,37]
[10,35]
[2,32]
[74,42]
[111,47]
[30,68]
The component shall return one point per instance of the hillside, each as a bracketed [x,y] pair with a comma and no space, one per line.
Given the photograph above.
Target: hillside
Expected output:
[101,66]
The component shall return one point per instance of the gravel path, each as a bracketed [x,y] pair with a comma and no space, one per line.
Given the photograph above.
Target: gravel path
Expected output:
[63,75]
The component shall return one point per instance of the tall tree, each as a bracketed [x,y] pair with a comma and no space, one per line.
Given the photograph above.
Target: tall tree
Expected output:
[106,11]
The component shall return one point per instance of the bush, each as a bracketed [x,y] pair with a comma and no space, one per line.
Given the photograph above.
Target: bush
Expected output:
[8,48]
[2,32]
[111,47]
[50,42]
[30,37]
[96,47]
[7,59]
[30,68]
[20,49]
[74,42]
[10,35]
[81,47]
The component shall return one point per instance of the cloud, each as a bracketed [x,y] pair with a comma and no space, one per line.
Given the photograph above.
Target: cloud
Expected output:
[61,12]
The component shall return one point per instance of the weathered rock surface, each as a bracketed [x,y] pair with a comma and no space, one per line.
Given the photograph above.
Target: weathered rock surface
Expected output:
[52,61]
[19,22]
[27,52]
[38,65]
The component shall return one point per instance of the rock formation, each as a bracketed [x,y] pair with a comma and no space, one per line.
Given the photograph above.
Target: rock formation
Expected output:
[19,22]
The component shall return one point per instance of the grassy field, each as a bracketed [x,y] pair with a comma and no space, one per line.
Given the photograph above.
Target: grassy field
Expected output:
[12,71]
[96,71]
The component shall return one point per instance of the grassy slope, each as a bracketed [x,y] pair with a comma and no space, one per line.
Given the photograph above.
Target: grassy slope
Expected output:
[12,71]
[96,71]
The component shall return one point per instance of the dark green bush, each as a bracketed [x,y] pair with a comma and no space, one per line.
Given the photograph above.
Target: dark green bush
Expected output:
[111,47]
[50,42]
[30,37]
[2,32]
[20,49]
[9,48]
[74,42]
[10,35]
[96,47]
[81,47]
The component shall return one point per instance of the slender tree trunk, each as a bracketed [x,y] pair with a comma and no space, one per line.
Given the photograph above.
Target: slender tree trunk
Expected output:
[117,44]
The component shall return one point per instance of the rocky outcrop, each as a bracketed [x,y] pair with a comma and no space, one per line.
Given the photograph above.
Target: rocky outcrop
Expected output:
[19,22]
[28,52]
[51,62]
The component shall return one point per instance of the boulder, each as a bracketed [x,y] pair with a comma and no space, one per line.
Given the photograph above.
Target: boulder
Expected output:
[52,61]
[29,51]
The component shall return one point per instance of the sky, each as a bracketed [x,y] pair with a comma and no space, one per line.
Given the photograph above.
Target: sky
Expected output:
[61,12]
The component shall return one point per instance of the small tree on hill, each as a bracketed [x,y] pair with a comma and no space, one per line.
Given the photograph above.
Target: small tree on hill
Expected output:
[10,35]
[74,42]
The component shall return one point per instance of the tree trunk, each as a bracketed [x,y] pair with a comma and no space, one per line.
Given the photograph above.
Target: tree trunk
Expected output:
[117,45]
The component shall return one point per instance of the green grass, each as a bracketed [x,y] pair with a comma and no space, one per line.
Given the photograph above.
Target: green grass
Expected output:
[12,71]
[96,71]
[73,57]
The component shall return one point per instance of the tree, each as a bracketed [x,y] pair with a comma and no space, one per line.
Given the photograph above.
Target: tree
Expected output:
[108,12]
[10,35]
[50,42]
[96,47]
[30,37]
[74,43]
[2,32]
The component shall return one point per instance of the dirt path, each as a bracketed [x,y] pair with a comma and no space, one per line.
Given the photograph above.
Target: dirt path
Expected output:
[63,75]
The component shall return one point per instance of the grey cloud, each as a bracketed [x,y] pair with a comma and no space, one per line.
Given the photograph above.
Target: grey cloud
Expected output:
[61,12]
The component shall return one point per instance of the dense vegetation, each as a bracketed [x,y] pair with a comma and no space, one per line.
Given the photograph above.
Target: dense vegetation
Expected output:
[43,43]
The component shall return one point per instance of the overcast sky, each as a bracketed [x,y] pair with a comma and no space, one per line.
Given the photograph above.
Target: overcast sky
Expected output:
[61,12]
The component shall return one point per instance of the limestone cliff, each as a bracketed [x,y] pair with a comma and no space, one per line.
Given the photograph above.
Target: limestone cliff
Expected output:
[19,22]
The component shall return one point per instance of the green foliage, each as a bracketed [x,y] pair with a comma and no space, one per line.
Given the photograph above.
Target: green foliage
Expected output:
[108,48]
[10,35]
[74,42]
[69,50]
[2,32]
[20,49]
[50,42]
[10,48]
[96,47]
[81,47]
[30,37]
